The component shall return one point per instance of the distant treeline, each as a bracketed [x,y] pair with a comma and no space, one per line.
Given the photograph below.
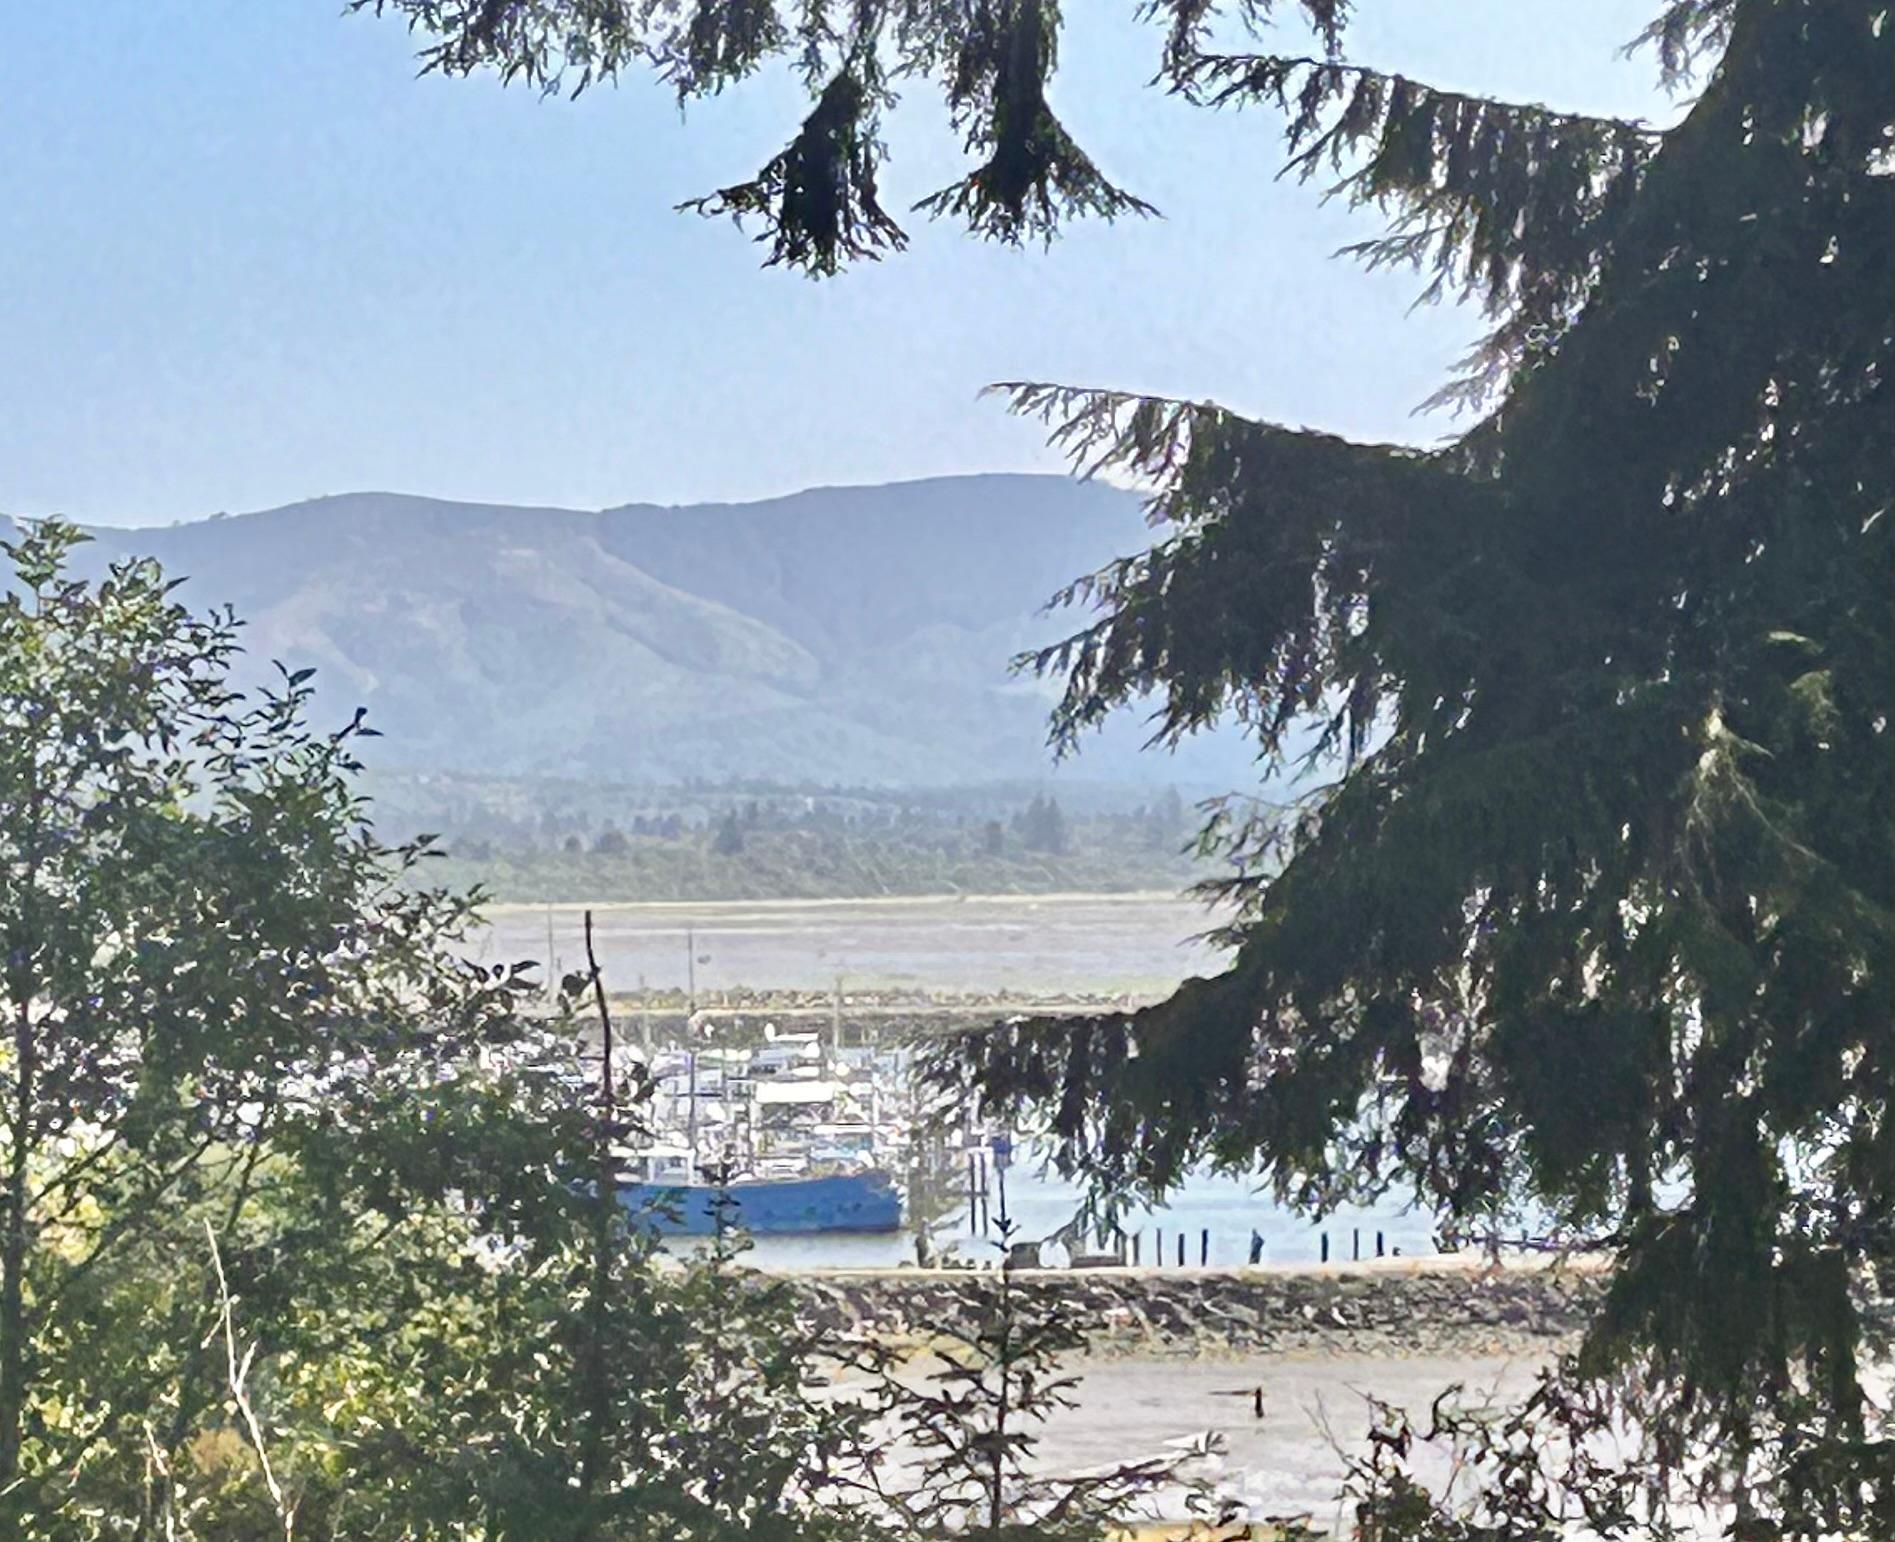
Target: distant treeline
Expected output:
[753,842]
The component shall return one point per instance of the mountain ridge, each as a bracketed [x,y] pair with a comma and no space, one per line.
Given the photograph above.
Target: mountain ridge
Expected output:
[855,634]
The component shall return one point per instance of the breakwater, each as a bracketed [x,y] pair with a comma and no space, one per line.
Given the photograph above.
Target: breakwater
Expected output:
[1444,1306]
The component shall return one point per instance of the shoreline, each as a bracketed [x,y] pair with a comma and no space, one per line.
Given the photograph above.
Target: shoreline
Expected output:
[1055,896]
[1468,1262]
[1457,1305]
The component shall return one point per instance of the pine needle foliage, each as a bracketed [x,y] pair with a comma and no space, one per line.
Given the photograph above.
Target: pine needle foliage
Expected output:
[818,205]
[1593,911]
[968,1417]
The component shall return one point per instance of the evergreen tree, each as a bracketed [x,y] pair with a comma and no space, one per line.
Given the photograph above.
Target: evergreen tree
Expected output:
[1047,827]
[1164,823]
[729,840]
[1592,916]
[1593,910]
[1042,827]
[974,1423]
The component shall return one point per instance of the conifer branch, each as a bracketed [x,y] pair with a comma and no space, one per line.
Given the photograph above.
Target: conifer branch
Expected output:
[1514,205]
[818,200]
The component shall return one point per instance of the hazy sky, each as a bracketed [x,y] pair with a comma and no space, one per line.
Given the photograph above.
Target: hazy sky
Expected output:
[250,258]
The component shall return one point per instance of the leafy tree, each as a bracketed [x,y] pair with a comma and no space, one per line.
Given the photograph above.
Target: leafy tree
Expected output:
[216,993]
[749,1450]
[611,842]
[233,1023]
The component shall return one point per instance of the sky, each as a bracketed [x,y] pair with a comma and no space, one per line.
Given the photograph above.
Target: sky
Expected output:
[250,258]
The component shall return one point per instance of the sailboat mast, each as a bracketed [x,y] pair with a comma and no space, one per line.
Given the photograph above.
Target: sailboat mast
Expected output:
[690,1115]
[835,1022]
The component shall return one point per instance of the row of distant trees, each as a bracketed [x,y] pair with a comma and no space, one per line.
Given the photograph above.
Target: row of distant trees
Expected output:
[1039,827]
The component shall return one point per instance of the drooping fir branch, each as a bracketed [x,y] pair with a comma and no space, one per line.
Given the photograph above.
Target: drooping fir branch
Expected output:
[1513,205]
[551,45]
[1309,538]
[1685,33]
[1190,25]
[818,200]
[1508,202]
[1033,175]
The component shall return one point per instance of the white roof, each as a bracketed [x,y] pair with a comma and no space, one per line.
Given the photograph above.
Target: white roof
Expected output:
[795,1092]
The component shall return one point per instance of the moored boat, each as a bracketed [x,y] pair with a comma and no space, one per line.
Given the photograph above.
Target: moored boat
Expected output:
[865,1200]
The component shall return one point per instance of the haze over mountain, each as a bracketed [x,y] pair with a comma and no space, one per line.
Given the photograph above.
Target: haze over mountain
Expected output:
[854,635]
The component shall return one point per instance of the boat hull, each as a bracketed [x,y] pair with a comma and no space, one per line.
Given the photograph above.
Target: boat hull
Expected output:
[839,1202]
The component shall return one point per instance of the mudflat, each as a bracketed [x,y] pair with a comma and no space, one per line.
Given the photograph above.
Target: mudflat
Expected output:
[1034,945]
[1288,1462]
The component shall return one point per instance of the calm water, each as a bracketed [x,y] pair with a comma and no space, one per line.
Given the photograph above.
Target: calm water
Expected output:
[1135,944]
[1228,1208]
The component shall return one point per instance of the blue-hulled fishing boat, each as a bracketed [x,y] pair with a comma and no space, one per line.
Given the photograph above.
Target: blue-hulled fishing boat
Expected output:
[861,1201]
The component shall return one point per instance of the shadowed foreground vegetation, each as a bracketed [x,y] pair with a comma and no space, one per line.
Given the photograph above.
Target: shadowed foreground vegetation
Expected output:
[309,1226]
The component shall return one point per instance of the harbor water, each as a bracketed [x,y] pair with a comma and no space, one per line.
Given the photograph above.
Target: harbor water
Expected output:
[1126,947]
[1228,1209]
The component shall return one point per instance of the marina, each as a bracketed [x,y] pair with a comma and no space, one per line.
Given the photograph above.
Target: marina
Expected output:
[798,1084]
[828,1163]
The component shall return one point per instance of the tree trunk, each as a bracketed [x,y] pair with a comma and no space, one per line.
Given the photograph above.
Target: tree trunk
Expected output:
[13,1266]
[594,1451]
[21,988]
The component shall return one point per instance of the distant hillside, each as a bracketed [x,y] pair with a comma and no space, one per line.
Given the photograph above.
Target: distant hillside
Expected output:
[841,635]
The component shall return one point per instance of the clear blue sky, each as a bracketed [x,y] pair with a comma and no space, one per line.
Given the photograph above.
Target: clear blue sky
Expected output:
[250,258]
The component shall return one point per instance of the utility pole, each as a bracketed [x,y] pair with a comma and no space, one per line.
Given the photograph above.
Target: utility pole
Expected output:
[690,1049]
[595,1440]
[690,1113]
